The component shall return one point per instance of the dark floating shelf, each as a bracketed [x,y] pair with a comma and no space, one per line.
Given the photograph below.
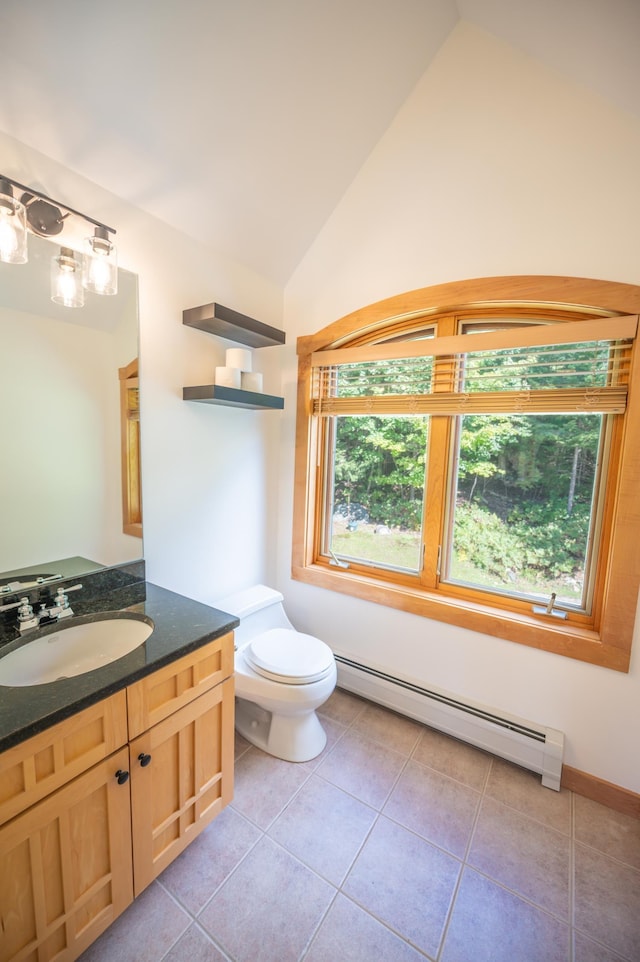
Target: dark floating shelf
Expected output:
[223,322]
[232,397]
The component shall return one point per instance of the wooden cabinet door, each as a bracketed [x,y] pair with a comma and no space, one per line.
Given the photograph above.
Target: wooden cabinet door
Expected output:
[65,867]
[181,778]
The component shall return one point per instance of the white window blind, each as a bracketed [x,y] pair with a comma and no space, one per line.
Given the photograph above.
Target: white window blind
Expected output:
[555,368]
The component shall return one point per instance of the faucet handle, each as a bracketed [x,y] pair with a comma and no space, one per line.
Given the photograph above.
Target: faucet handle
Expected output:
[25,610]
[61,593]
[14,604]
[61,602]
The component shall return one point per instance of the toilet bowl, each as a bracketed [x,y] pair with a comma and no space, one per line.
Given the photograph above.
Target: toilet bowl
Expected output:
[281,677]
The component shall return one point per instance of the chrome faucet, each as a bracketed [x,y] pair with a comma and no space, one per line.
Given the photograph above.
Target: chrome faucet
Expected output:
[28,619]
[60,607]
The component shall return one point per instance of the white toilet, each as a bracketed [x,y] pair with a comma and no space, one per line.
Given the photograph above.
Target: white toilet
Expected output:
[281,677]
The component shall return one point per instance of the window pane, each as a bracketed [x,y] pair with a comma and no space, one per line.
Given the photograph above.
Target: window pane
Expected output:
[523,506]
[375,490]
[540,368]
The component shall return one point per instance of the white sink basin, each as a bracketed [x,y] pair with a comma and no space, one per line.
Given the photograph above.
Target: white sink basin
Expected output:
[72,650]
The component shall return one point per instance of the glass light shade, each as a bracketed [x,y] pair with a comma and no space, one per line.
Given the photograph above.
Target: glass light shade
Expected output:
[66,279]
[100,270]
[13,227]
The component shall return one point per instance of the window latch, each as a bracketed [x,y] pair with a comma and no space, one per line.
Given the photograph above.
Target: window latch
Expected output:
[336,561]
[549,609]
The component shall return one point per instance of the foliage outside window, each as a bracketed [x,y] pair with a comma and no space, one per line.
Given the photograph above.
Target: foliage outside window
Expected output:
[472,465]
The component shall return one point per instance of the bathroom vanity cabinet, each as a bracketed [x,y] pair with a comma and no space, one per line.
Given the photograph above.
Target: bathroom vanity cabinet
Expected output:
[95,807]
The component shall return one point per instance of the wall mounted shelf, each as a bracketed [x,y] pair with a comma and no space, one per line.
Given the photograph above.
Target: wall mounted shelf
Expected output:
[231,397]
[223,322]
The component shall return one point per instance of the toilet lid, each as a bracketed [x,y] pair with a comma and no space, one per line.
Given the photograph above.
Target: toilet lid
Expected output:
[290,657]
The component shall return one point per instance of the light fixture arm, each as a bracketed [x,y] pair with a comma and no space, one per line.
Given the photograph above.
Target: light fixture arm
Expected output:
[31,192]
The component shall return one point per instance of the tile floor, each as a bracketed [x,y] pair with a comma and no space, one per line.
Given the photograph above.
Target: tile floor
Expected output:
[397,844]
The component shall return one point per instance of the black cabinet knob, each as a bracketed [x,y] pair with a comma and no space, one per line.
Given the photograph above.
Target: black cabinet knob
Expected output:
[144,759]
[122,776]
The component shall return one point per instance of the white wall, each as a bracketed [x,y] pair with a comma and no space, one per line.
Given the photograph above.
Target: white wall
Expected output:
[494,166]
[60,398]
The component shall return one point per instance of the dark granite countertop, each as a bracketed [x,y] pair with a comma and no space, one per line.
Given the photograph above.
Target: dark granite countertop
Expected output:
[181,625]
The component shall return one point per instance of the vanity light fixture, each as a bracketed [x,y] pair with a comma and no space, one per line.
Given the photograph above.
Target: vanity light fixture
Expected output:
[66,279]
[96,268]
[100,274]
[13,226]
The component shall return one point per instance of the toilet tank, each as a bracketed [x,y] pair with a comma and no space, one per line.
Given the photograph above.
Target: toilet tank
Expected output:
[259,609]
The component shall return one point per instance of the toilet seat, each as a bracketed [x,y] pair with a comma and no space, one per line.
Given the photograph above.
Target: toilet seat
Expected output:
[289,657]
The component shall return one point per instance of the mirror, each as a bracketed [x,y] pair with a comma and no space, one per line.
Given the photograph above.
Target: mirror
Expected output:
[60,461]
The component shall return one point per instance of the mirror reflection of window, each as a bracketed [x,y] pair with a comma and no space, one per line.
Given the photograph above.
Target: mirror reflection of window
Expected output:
[130,435]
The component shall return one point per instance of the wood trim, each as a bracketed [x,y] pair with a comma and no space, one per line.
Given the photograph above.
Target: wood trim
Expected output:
[536,335]
[304,489]
[613,796]
[130,452]
[547,291]
[571,641]
[621,588]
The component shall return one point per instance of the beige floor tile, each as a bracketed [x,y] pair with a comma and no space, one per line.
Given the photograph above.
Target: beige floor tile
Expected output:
[194,946]
[144,932]
[334,732]
[524,791]
[405,882]
[324,827]
[269,909]
[453,758]
[343,706]
[524,855]
[607,831]
[197,873]
[241,745]
[264,785]
[440,809]
[587,951]
[607,902]
[390,729]
[489,924]
[348,934]
[363,768]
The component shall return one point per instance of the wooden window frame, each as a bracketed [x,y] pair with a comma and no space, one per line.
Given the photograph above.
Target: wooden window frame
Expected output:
[130,451]
[605,637]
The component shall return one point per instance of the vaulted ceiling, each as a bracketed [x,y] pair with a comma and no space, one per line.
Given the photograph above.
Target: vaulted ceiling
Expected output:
[243,122]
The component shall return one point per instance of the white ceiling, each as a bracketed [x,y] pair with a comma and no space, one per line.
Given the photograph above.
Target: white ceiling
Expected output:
[243,122]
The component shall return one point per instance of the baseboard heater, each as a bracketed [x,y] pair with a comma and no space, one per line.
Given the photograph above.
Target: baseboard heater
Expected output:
[531,746]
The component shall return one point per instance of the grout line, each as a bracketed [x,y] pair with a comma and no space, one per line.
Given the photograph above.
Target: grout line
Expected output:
[387,925]
[464,864]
